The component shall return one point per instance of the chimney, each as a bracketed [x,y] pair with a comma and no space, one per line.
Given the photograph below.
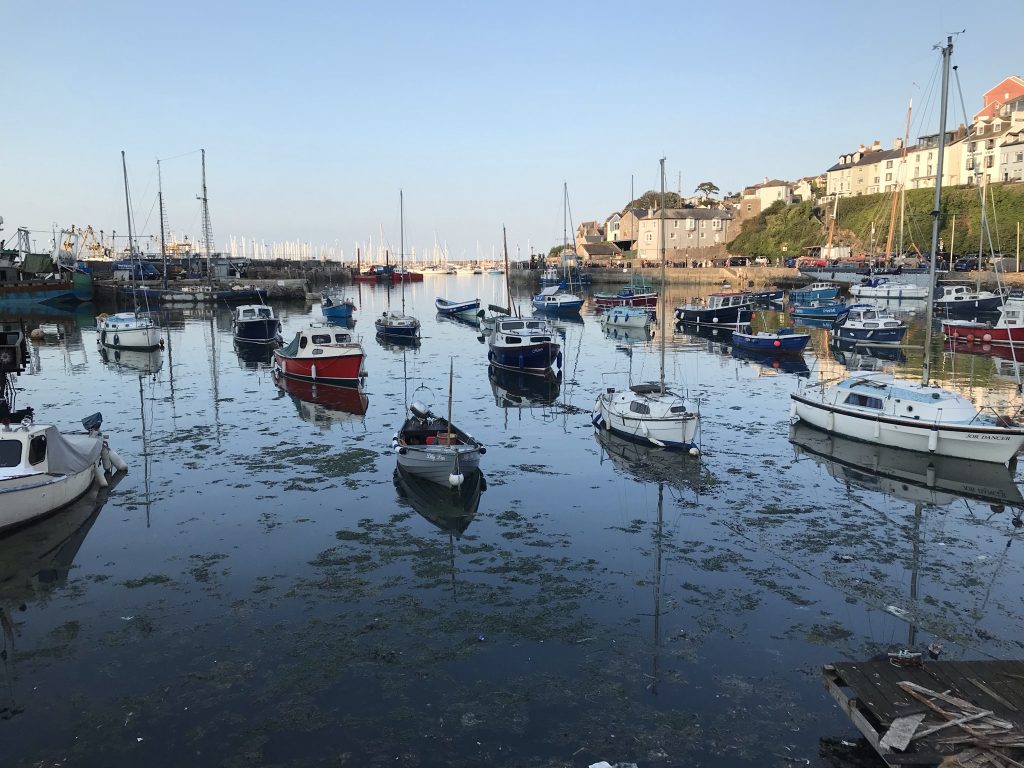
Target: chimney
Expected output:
[897,143]
[765,180]
[876,146]
[861,148]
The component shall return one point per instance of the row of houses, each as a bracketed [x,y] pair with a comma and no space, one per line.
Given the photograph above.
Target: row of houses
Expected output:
[991,149]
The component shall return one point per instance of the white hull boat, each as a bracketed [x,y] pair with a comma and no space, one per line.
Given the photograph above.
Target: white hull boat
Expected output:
[128,331]
[428,446]
[877,408]
[42,470]
[884,288]
[645,414]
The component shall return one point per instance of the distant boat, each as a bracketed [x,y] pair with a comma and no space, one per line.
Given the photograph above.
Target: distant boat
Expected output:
[335,306]
[635,294]
[866,322]
[398,324]
[626,317]
[724,307]
[255,322]
[466,308]
[819,291]
[888,288]
[785,340]
[957,298]
[524,344]
[1007,330]
[324,354]
[825,310]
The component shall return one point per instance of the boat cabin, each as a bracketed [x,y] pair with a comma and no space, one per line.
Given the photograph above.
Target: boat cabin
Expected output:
[311,341]
[872,317]
[957,293]
[523,330]
[254,312]
[731,299]
[887,396]
[1012,313]
[23,450]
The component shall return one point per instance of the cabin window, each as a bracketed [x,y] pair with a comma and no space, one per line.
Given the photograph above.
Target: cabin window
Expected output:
[513,326]
[341,338]
[636,407]
[539,339]
[322,338]
[265,312]
[303,342]
[10,453]
[37,449]
[677,409]
[863,401]
[513,340]
[317,351]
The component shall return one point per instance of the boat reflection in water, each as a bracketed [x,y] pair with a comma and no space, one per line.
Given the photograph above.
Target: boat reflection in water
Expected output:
[255,355]
[916,477]
[514,389]
[772,363]
[628,335]
[650,464]
[34,562]
[324,404]
[450,509]
[132,361]
[859,356]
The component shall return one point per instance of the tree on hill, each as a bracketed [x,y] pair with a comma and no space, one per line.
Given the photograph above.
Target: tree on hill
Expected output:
[709,189]
[652,199]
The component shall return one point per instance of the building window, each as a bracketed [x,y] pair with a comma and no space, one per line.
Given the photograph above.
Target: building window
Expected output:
[701,235]
[988,161]
[1020,157]
[888,177]
[973,145]
[675,225]
[981,129]
[876,179]
[672,236]
[650,237]
[888,163]
[970,163]
[929,171]
[990,144]
[749,207]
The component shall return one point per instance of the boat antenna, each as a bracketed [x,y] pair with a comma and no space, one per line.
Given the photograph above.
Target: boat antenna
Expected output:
[508,285]
[451,373]
[163,243]
[661,249]
[947,53]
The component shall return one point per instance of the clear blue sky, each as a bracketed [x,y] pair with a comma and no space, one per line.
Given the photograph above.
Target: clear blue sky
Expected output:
[314,114]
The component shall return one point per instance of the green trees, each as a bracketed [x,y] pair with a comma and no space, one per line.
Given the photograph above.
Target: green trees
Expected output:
[709,189]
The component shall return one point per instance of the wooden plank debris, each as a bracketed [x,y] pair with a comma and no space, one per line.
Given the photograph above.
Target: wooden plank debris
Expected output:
[901,732]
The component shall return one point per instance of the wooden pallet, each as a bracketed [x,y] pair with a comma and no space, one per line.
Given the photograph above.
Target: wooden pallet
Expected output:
[951,713]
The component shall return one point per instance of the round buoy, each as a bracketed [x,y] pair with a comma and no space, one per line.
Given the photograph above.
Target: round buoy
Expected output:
[970,337]
[777,343]
[775,363]
[987,337]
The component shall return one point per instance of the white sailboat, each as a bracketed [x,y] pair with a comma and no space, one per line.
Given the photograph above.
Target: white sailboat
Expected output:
[128,330]
[651,412]
[398,325]
[878,408]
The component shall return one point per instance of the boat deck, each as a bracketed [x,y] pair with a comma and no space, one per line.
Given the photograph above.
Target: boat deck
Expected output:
[972,711]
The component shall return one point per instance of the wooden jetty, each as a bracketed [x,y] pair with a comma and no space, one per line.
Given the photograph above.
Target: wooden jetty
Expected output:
[949,713]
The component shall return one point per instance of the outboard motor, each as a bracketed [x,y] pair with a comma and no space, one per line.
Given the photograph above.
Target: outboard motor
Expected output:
[93,423]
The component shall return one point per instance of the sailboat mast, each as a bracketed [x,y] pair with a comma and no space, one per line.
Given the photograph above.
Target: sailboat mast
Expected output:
[451,376]
[947,53]
[661,248]
[896,198]
[128,209]
[401,244]
[508,285]
[163,242]
[206,225]
[832,228]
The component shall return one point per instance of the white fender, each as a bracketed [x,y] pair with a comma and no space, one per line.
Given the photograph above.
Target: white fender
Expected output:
[105,457]
[694,451]
[878,428]
[830,422]
[117,461]
[792,409]
[100,477]
[312,372]
[456,480]
[933,440]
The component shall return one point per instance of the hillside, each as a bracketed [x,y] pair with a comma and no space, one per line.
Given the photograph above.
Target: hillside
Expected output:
[799,226]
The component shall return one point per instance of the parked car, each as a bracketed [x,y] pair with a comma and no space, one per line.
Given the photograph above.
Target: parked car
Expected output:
[790,261]
[965,265]
[738,261]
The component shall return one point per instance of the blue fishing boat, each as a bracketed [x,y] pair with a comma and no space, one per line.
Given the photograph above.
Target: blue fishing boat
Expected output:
[783,341]
[554,299]
[523,344]
[465,308]
[818,310]
[866,322]
[336,307]
[814,292]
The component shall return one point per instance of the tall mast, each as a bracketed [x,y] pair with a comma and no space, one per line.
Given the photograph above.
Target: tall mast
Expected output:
[401,244]
[131,241]
[947,53]
[661,249]
[898,195]
[832,227]
[207,229]
[163,243]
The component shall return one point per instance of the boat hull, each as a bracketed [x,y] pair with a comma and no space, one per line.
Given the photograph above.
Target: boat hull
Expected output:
[144,339]
[529,358]
[26,499]
[261,329]
[397,331]
[669,433]
[338,312]
[456,307]
[987,304]
[647,299]
[852,275]
[720,315]
[892,293]
[983,332]
[791,343]
[438,463]
[876,335]
[965,442]
[345,370]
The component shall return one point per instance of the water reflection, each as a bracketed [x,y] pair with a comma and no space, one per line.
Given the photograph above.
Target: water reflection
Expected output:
[769,363]
[915,477]
[649,464]
[131,361]
[513,389]
[324,404]
[254,355]
[449,509]
[35,561]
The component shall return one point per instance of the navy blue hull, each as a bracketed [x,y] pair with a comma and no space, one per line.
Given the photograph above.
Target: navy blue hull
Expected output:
[529,357]
[262,329]
[338,312]
[966,307]
[730,315]
[883,335]
[397,332]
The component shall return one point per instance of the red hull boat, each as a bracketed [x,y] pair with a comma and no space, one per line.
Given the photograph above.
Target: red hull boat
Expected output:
[324,354]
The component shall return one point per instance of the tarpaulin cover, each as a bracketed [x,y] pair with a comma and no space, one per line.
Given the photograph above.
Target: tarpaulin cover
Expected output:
[70,454]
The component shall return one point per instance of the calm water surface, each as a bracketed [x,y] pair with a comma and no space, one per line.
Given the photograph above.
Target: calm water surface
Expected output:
[262,588]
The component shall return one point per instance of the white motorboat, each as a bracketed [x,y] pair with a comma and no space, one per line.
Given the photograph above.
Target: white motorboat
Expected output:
[42,470]
[626,317]
[888,288]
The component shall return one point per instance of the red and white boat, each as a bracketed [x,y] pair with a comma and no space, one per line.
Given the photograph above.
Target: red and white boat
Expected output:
[1009,328]
[322,353]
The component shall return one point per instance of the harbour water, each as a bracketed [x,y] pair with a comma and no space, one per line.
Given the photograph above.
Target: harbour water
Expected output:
[263,589]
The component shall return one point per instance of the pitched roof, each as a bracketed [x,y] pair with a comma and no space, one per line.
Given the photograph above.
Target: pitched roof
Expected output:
[692,213]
